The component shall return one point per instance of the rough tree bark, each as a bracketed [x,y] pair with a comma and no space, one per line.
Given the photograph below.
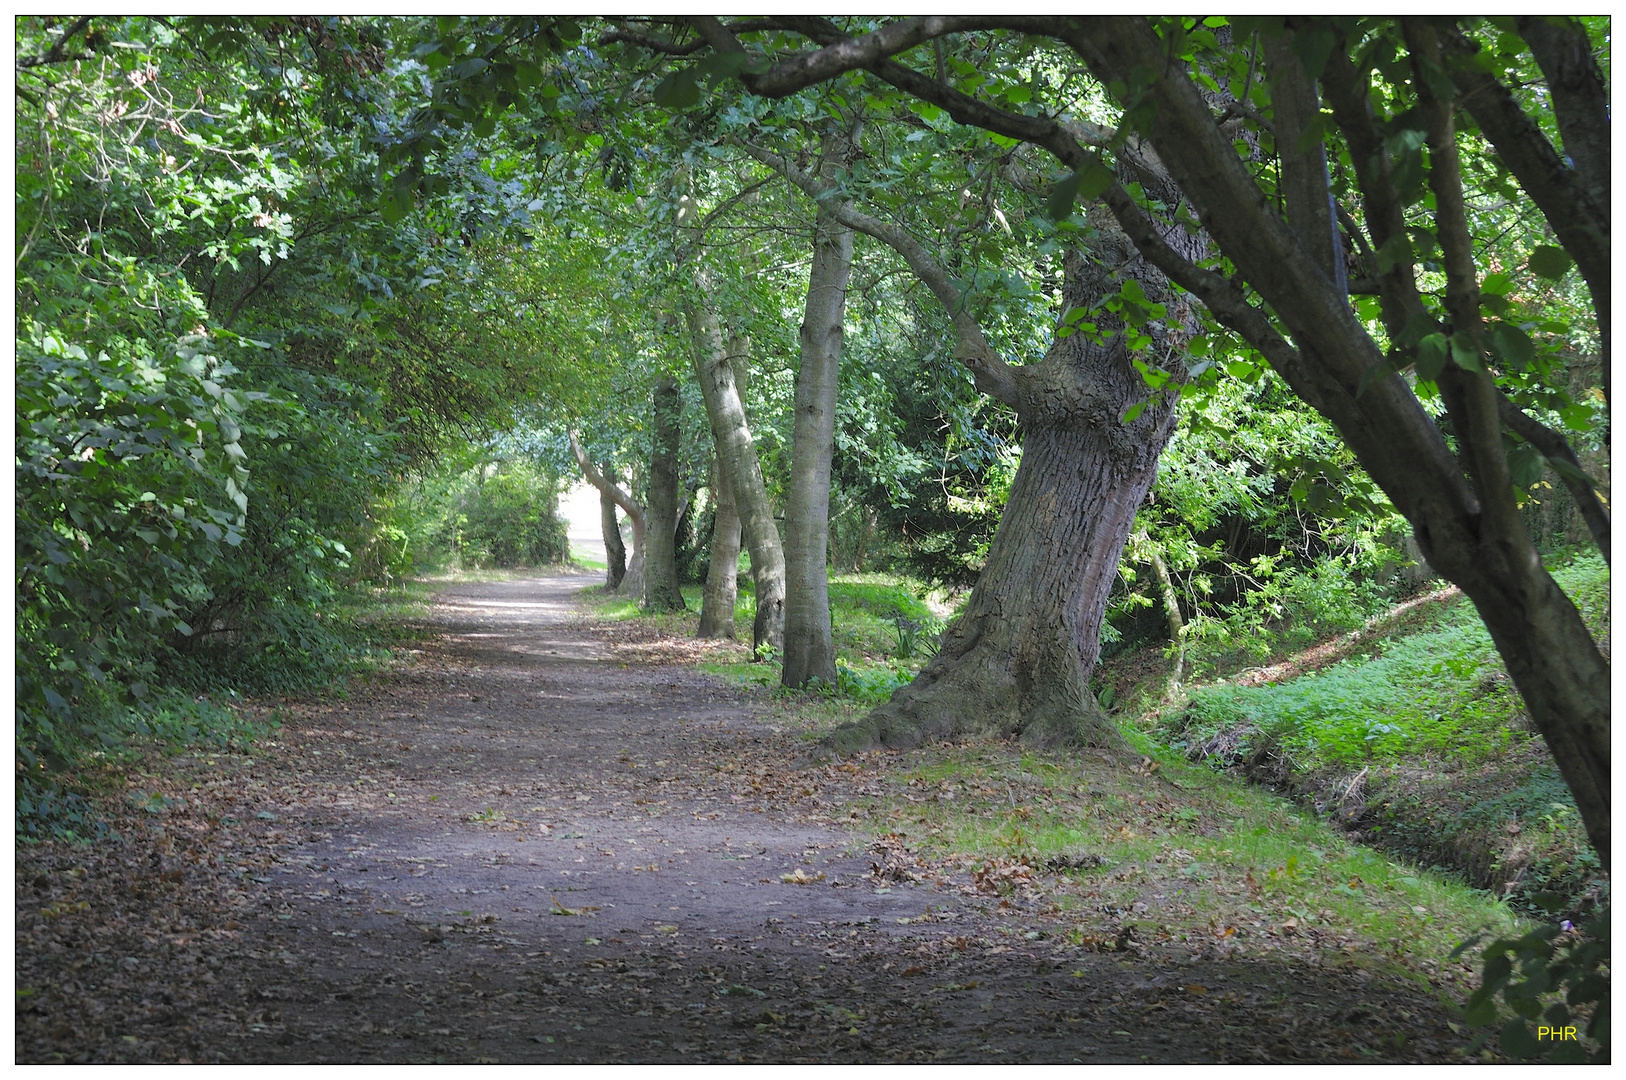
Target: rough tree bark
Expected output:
[732,434]
[810,653]
[660,566]
[615,550]
[633,582]
[1017,660]
[1457,503]
[722,577]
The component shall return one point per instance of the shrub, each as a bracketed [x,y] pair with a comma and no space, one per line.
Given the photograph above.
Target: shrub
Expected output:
[510,519]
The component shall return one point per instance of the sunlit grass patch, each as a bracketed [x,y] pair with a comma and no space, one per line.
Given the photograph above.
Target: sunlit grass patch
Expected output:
[1179,853]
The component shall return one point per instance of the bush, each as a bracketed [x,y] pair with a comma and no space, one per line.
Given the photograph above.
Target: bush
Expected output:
[1561,984]
[509,519]
[130,489]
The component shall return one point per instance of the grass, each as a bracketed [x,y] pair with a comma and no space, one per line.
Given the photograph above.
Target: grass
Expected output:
[874,655]
[1429,745]
[1441,692]
[1183,854]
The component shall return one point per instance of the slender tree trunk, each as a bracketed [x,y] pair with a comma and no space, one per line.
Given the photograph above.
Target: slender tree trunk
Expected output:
[738,451]
[1177,625]
[809,650]
[1017,661]
[633,582]
[615,551]
[722,578]
[660,566]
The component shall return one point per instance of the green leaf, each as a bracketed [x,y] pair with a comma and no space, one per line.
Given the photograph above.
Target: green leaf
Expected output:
[1315,132]
[1314,48]
[1431,353]
[1088,182]
[1094,179]
[1465,352]
[1525,465]
[1550,262]
[1512,345]
[1395,251]
[1569,471]
[678,90]
[1060,203]
[1135,410]
[1517,1042]
[1481,1012]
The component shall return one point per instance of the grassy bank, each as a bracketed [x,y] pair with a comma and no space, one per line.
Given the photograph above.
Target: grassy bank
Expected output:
[1420,746]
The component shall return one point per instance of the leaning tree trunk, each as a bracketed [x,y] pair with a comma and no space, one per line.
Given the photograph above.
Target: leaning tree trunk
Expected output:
[1017,661]
[633,582]
[734,445]
[1177,625]
[660,564]
[809,650]
[722,578]
[615,551]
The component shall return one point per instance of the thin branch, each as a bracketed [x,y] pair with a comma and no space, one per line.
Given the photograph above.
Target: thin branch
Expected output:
[992,375]
[1470,395]
[1555,447]
[57,53]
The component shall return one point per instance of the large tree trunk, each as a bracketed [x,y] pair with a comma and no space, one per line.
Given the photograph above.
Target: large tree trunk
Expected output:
[1017,661]
[1459,503]
[722,578]
[809,650]
[660,565]
[615,551]
[633,582]
[737,449]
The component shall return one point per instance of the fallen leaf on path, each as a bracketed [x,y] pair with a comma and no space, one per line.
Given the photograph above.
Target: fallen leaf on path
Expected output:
[800,877]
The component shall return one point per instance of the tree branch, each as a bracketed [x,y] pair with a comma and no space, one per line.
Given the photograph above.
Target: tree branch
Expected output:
[653,44]
[992,375]
[1470,393]
[1580,99]
[57,53]
[1304,169]
[1555,447]
[845,54]
[615,491]
[1348,95]
[1580,222]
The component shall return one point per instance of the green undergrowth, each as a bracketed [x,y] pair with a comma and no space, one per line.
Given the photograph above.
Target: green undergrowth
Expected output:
[883,631]
[193,703]
[59,803]
[1423,748]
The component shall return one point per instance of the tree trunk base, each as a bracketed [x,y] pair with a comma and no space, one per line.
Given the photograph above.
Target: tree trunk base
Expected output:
[975,695]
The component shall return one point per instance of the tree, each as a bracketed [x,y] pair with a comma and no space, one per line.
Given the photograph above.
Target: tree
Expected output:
[1017,660]
[616,493]
[809,647]
[737,451]
[660,567]
[1460,500]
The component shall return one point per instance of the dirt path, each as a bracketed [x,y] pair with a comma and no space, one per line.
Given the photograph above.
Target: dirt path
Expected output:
[522,849]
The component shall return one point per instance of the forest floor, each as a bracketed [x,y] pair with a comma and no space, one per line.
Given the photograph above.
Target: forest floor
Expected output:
[540,841]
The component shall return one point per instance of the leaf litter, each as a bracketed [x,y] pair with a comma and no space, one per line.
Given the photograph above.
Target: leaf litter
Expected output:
[275,906]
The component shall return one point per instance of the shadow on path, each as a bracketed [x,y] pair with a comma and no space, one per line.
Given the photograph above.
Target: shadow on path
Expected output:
[520,849]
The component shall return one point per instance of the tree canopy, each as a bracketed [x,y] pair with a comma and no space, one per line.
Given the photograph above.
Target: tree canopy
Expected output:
[1148,326]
